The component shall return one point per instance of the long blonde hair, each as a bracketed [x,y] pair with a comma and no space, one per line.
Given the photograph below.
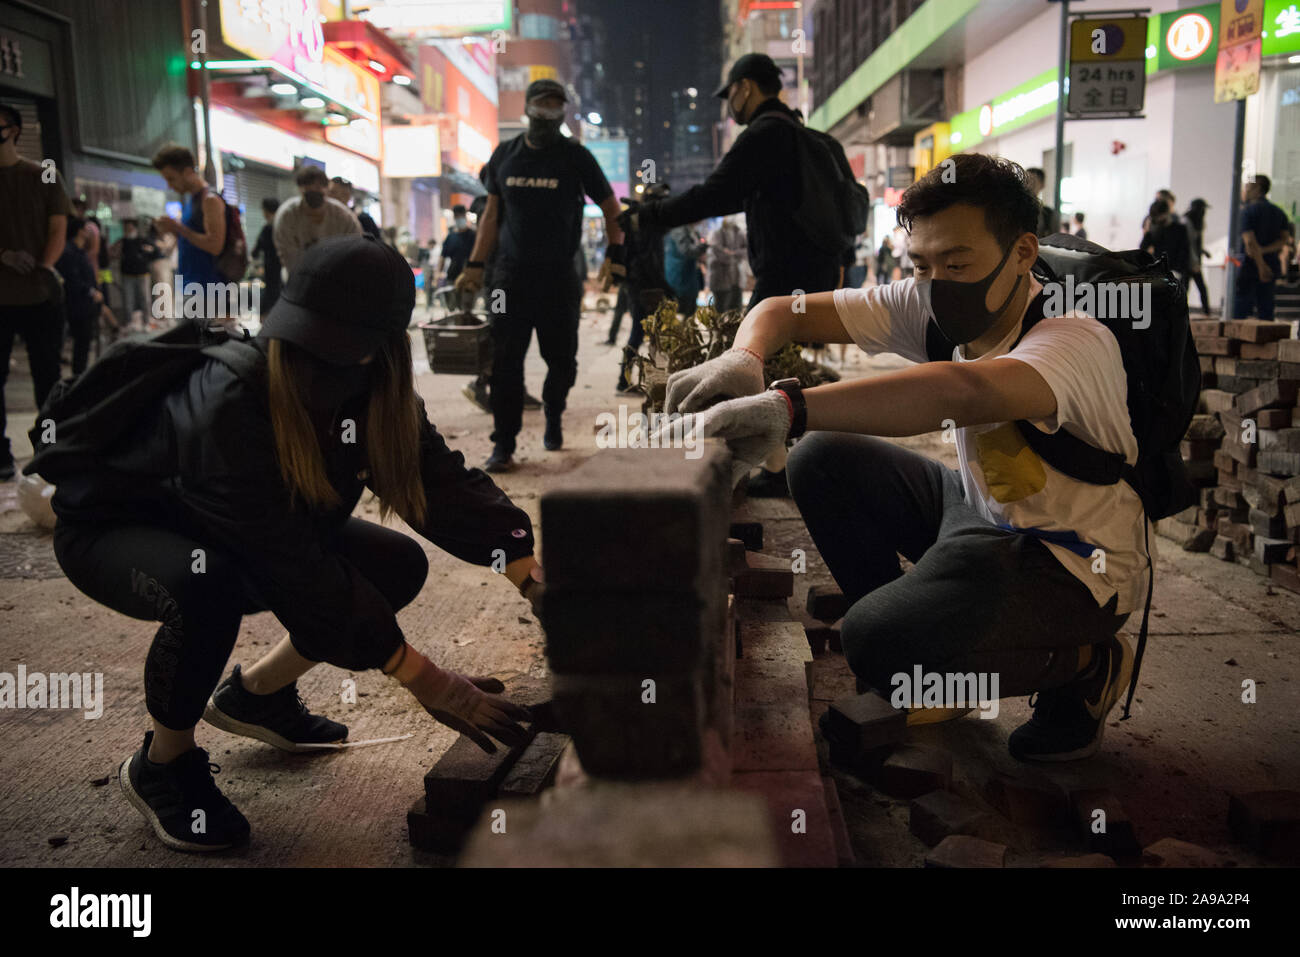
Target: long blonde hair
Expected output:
[393,421]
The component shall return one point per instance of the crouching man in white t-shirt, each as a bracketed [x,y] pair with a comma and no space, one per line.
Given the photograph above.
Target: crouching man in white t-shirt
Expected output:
[1021,573]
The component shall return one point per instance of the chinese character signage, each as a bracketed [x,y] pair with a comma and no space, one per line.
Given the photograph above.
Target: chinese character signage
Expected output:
[1107,66]
[1236,72]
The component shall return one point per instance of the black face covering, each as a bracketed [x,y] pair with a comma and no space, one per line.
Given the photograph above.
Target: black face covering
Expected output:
[314,199]
[544,125]
[958,307]
[328,386]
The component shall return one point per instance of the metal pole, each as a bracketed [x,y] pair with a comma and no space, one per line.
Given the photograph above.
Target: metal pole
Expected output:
[1234,208]
[1063,66]
[205,96]
[803,107]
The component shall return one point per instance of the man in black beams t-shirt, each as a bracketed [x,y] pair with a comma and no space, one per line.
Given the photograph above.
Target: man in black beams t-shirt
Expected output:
[533,220]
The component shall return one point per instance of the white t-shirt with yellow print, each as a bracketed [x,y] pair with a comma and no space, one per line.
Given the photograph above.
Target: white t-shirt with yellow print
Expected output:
[1004,479]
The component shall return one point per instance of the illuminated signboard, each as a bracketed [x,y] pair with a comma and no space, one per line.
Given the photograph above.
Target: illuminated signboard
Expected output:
[430,18]
[411,151]
[356,87]
[235,133]
[612,158]
[1189,36]
[287,31]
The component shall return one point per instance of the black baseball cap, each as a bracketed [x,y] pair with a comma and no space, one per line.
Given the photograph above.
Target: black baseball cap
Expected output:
[545,88]
[751,66]
[344,298]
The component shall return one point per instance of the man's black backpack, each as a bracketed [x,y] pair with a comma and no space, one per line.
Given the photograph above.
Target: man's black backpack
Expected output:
[84,416]
[834,208]
[1164,382]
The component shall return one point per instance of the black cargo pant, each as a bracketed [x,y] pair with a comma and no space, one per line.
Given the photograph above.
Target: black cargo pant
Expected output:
[146,571]
[552,305]
[979,599]
[41,327]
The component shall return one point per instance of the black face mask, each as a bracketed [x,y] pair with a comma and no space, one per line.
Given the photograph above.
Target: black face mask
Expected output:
[734,113]
[543,132]
[328,386]
[314,199]
[958,307]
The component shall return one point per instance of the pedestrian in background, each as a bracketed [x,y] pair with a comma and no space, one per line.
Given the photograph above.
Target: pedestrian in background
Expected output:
[309,217]
[1264,230]
[33,234]
[272,271]
[1194,219]
[134,252]
[1078,226]
[682,252]
[1049,219]
[1167,237]
[201,231]
[82,298]
[726,252]
[342,190]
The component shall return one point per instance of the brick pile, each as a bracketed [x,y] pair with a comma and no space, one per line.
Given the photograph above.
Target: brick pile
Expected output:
[1243,450]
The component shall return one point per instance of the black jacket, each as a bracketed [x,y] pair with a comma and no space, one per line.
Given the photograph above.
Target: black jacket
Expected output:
[205,463]
[759,176]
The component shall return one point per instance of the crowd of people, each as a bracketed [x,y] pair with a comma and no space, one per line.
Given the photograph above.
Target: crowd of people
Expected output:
[257,456]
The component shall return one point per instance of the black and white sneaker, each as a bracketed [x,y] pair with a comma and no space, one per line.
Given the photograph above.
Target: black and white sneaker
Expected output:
[280,718]
[1068,722]
[181,802]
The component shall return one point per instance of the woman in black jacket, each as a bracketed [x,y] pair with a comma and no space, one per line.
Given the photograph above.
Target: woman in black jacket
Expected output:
[235,496]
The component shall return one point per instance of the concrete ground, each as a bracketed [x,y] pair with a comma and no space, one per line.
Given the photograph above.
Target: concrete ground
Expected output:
[1190,738]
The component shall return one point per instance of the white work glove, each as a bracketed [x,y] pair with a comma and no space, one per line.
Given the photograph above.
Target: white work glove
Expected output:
[753,428]
[470,281]
[462,703]
[730,376]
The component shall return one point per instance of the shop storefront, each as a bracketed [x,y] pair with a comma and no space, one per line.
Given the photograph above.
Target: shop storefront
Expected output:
[282,95]
[54,54]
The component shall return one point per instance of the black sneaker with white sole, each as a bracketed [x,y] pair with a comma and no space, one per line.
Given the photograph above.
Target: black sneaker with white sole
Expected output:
[1068,722]
[280,718]
[181,802]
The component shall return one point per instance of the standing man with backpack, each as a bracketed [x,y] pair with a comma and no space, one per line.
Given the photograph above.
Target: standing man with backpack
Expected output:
[1007,578]
[760,176]
[201,231]
[796,242]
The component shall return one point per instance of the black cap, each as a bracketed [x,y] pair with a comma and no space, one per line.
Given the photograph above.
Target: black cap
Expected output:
[1200,203]
[752,66]
[344,298]
[545,88]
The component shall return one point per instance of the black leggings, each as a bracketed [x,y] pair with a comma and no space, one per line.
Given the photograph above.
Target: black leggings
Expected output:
[201,613]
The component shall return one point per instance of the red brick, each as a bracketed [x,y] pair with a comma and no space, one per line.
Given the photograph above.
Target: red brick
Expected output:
[1171,852]
[962,851]
[534,771]
[1257,330]
[1216,346]
[1118,839]
[1222,548]
[1217,400]
[827,603]
[1033,802]
[1267,821]
[1204,328]
[865,723]
[1259,350]
[915,769]
[1273,418]
[765,577]
[1274,394]
[839,828]
[938,814]
[1287,576]
[1288,350]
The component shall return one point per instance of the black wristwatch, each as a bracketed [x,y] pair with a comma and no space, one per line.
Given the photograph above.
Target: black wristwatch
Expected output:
[794,392]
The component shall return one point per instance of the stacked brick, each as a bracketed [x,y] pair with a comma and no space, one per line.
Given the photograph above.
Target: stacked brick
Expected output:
[635,551]
[1243,449]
